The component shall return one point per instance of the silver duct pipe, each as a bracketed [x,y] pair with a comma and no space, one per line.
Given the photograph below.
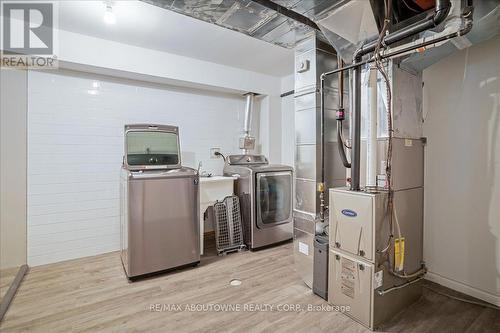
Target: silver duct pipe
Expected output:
[247,142]
[386,54]
[248,113]
[440,13]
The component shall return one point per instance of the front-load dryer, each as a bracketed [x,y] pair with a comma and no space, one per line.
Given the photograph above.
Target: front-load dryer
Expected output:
[266,199]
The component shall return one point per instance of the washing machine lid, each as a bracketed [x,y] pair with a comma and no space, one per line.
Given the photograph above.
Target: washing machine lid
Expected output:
[150,147]
[246,159]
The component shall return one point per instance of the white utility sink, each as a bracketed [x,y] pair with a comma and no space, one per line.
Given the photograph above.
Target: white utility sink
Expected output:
[212,189]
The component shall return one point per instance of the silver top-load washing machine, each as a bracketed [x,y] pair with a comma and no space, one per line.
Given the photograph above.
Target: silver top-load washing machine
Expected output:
[159,203]
[265,193]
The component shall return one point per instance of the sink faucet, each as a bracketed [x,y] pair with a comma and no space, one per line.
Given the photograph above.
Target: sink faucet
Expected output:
[199,167]
[203,173]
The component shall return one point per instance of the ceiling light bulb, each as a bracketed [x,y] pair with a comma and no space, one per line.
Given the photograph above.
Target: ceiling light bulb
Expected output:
[109,16]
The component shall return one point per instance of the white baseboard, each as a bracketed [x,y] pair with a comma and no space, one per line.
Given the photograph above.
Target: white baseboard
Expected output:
[463,288]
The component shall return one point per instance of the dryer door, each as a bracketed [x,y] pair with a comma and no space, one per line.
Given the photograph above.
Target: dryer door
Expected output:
[273,198]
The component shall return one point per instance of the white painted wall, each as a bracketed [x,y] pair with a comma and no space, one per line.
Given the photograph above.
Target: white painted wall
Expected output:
[75,138]
[75,148]
[172,32]
[13,113]
[270,128]
[462,171]
[85,53]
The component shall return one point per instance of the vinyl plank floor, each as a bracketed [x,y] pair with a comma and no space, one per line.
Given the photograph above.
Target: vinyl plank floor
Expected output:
[7,276]
[93,295]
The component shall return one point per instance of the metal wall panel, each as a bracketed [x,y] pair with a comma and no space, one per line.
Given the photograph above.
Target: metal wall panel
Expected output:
[305,101]
[306,196]
[407,103]
[305,162]
[305,71]
[308,100]
[407,162]
[409,206]
[312,59]
[335,172]
[330,125]
[303,253]
[306,124]
[304,221]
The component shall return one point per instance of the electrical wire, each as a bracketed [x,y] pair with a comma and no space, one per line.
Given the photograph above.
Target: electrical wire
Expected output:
[388,245]
[340,63]
[391,209]
[217,153]
[403,275]
[396,219]
[410,8]
[380,67]
[421,272]
[344,141]
[487,305]
[399,286]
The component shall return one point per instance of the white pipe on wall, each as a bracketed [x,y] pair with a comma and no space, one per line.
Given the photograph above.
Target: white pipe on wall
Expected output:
[371,170]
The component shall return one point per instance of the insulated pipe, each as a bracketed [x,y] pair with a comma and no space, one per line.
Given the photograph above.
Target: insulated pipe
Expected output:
[321,185]
[248,114]
[392,54]
[371,147]
[247,126]
[356,129]
[400,51]
[440,13]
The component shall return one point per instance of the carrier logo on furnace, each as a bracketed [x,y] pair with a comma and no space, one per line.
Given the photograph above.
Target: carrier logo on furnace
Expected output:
[349,213]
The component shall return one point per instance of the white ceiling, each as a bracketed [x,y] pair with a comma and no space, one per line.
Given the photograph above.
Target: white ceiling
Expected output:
[145,25]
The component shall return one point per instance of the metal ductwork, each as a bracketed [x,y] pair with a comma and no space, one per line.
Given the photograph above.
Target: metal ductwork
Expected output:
[247,142]
[248,113]
[354,24]
[345,24]
[405,49]
[440,13]
[283,23]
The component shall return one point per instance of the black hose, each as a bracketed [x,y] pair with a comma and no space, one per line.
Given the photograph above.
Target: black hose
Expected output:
[220,154]
[341,115]
[340,143]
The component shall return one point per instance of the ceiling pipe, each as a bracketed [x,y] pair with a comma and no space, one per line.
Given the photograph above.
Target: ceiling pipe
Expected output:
[440,13]
[408,49]
[405,50]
